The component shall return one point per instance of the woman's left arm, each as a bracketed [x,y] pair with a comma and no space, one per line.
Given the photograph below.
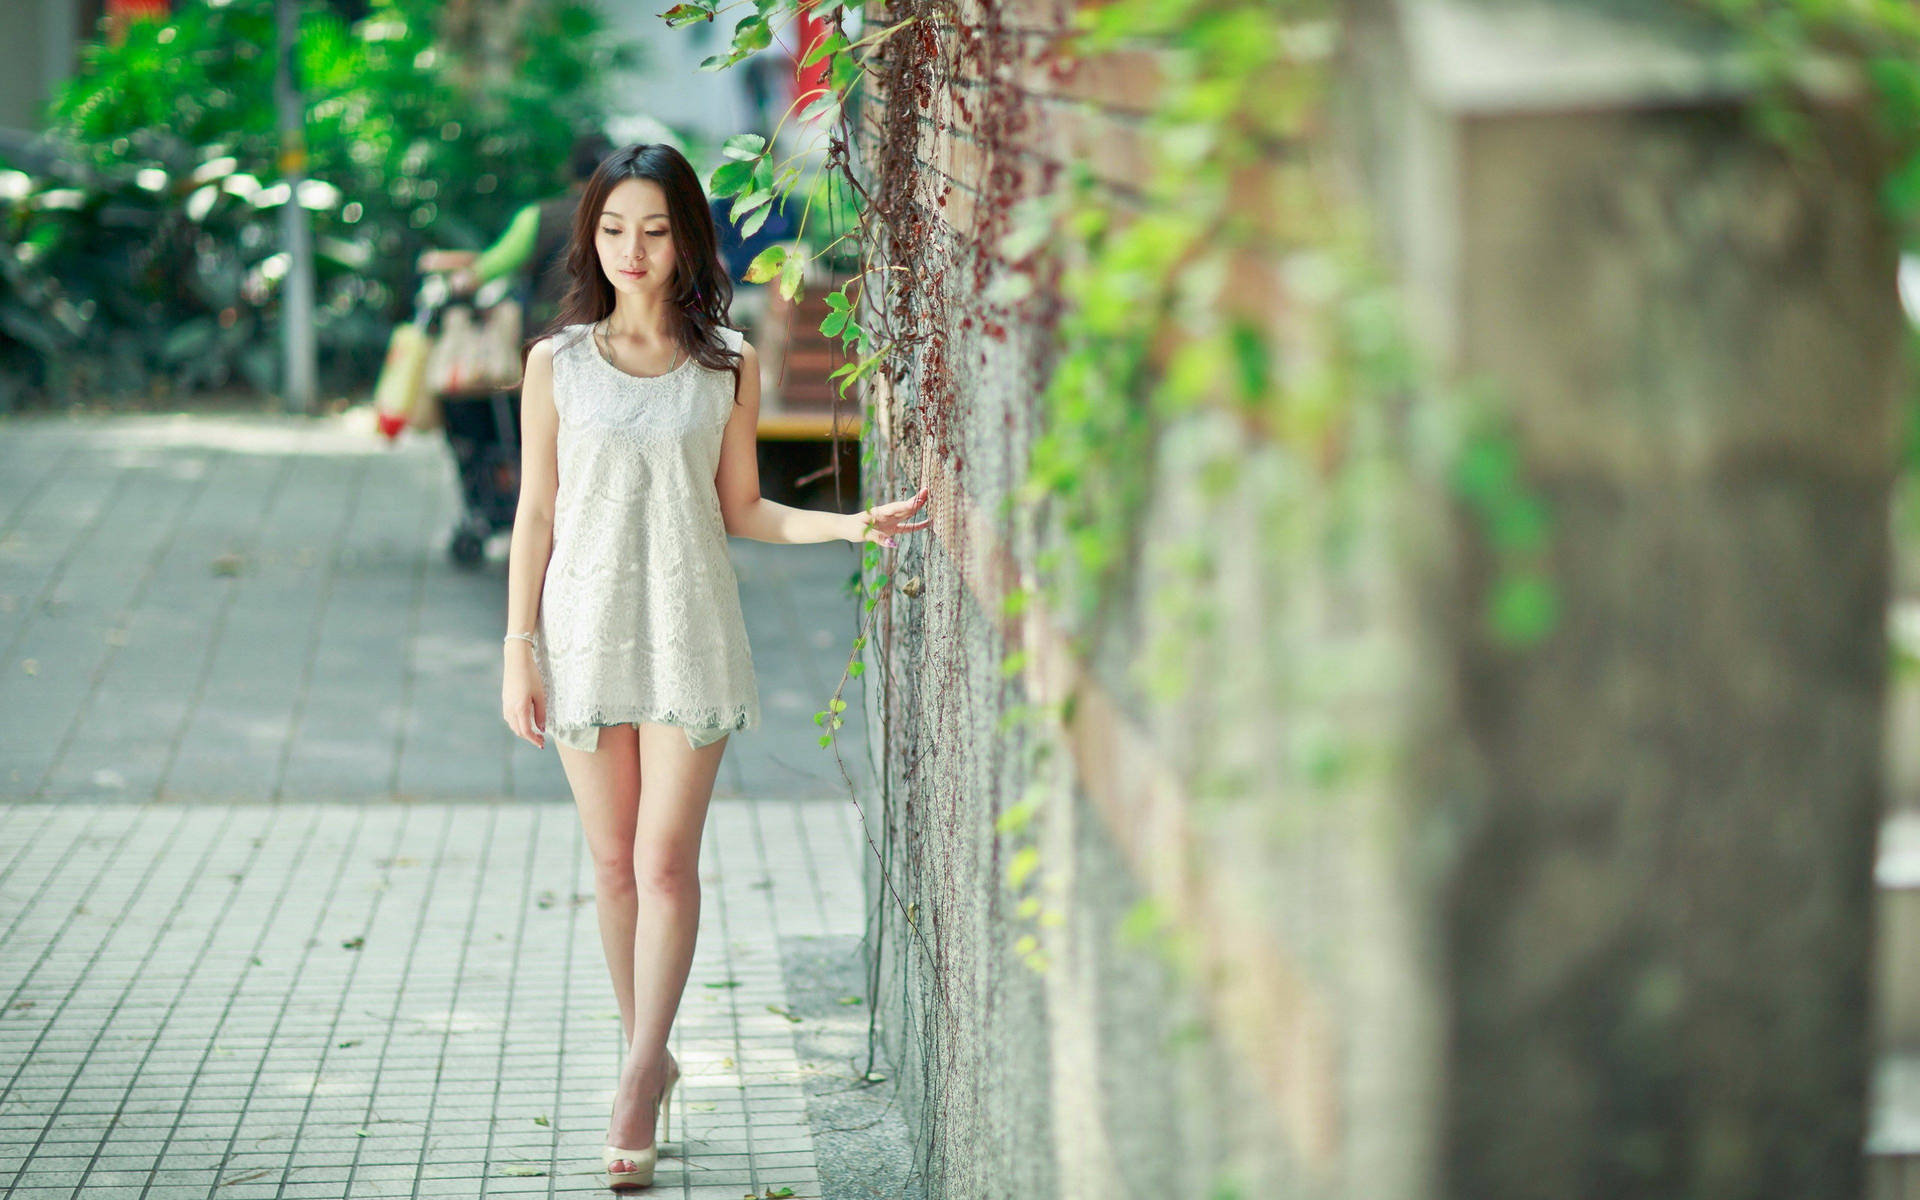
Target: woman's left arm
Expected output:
[750,515]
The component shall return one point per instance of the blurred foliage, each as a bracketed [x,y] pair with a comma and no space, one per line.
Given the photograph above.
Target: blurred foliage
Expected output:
[140,240]
[1879,40]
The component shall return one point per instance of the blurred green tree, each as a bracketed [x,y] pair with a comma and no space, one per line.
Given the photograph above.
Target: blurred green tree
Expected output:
[139,237]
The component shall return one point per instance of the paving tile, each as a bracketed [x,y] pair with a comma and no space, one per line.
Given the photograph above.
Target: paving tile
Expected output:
[325,995]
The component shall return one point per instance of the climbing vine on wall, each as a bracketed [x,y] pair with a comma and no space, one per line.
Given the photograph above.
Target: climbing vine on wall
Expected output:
[1104,281]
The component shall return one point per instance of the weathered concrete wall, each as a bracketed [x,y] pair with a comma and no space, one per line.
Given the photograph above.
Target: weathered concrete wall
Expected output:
[1658,932]
[1587,920]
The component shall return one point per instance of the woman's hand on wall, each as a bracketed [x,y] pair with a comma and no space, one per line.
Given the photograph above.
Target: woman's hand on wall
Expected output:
[881,522]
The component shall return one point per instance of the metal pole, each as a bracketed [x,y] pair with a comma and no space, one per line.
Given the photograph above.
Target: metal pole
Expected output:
[296,300]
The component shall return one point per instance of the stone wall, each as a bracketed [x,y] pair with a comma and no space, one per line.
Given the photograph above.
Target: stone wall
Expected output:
[1443,917]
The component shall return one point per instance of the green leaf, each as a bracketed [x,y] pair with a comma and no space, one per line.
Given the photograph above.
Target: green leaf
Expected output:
[687,14]
[752,33]
[832,43]
[820,105]
[1486,468]
[1140,921]
[729,178]
[767,263]
[746,203]
[1525,607]
[744,146]
[1520,524]
[1252,358]
[835,322]
[826,739]
[754,221]
[860,368]
[856,669]
[1022,864]
[842,73]
[792,275]
[1015,816]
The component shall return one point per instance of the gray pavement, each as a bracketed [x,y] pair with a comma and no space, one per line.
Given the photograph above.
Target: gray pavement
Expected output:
[285,911]
[252,608]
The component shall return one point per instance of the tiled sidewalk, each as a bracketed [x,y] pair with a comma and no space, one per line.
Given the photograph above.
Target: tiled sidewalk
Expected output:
[258,608]
[323,999]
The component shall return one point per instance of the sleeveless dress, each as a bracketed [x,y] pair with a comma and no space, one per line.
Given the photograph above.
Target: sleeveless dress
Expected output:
[639,616]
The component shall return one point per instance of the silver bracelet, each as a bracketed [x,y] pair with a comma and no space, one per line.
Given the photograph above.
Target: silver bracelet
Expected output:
[525,637]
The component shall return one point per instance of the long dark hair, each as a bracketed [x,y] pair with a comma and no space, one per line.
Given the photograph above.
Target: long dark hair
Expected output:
[702,290]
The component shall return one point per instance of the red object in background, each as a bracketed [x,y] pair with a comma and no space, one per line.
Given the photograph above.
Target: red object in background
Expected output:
[118,14]
[809,82]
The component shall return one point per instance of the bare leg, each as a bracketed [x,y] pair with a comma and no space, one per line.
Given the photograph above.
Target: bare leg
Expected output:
[666,851]
[606,790]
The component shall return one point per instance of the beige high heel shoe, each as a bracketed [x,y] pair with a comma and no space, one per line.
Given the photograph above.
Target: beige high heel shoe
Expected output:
[643,1161]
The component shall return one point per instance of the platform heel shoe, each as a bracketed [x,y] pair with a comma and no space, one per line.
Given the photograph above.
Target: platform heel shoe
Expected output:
[643,1161]
[640,1160]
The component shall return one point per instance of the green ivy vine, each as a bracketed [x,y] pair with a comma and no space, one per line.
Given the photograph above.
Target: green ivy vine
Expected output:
[1238,84]
[1245,88]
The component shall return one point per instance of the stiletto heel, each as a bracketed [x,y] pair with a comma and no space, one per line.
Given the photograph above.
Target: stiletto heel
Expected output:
[666,1103]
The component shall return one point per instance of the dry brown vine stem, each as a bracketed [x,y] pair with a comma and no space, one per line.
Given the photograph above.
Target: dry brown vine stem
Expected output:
[865,826]
[882,34]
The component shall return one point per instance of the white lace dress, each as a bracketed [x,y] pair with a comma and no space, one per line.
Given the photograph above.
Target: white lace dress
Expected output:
[639,616]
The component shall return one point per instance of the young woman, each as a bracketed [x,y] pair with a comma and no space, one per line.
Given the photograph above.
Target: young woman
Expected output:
[625,640]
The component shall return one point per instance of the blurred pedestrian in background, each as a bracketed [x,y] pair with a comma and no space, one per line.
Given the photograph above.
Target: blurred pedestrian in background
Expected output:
[532,244]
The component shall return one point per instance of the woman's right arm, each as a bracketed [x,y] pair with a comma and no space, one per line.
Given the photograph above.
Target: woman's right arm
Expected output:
[523,700]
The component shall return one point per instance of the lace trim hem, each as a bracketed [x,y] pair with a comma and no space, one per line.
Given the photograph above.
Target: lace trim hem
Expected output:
[738,719]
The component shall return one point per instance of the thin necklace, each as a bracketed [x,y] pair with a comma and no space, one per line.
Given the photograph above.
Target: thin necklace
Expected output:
[599,331]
